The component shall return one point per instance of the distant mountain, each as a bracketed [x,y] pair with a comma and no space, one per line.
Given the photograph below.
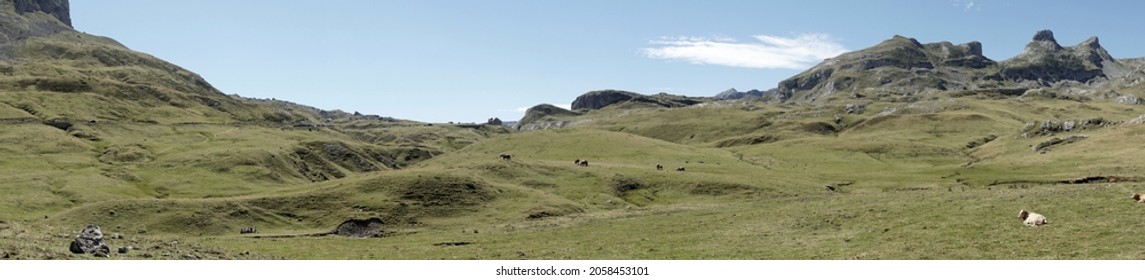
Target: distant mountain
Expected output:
[751,94]
[903,66]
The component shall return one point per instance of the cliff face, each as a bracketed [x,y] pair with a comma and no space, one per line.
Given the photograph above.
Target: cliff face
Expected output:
[23,19]
[56,8]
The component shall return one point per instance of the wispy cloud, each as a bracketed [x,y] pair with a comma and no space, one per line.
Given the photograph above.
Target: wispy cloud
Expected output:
[798,52]
[966,5]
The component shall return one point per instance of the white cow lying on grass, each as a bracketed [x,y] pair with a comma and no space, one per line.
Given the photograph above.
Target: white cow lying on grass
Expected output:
[1139,198]
[1031,219]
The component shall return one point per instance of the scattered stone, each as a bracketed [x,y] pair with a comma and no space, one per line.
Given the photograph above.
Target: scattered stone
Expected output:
[90,241]
[148,255]
[855,108]
[124,250]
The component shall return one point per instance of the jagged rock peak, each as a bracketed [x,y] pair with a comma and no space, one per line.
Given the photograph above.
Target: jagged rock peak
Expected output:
[1091,43]
[1043,41]
[973,48]
[56,8]
[1045,35]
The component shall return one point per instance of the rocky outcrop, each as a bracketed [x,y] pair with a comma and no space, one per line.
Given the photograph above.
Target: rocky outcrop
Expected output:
[56,8]
[601,98]
[90,241]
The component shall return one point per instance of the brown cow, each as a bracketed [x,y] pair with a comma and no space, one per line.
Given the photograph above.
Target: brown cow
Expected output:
[506,157]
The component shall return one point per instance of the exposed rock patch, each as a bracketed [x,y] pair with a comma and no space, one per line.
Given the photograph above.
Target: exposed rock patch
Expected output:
[1051,127]
[1054,142]
[371,227]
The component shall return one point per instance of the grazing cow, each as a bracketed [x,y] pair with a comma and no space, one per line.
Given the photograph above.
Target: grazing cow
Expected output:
[577,162]
[584,163]
[247,230]
[1031,219]
[506,157]
[659,167]
[1139,198]
[681,169]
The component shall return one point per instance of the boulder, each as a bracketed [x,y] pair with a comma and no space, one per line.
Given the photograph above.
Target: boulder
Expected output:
[90,241]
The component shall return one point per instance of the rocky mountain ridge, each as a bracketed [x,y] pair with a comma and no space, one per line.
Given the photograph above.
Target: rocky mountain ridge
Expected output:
[903,66]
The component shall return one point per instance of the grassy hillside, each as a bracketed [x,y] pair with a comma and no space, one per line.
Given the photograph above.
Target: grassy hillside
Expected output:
[928,180]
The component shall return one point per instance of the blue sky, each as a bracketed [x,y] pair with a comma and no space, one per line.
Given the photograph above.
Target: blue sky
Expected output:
[467,61]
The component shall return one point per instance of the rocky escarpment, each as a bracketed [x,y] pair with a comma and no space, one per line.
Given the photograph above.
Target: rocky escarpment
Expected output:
[901,68]
[56,8]
[594,100]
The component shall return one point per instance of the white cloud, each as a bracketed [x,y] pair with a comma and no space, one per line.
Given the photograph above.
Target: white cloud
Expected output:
[798,52]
